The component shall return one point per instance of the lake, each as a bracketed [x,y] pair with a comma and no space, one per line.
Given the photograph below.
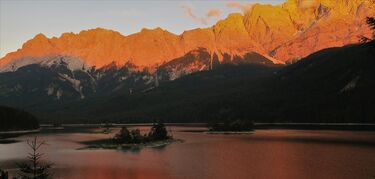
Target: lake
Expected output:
[264,154]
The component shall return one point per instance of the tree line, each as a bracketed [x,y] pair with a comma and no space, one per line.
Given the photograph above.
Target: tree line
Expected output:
[15,119]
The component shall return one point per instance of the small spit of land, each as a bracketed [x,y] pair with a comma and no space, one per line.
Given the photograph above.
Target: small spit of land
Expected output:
[125,139]
[231,126]
[109,144]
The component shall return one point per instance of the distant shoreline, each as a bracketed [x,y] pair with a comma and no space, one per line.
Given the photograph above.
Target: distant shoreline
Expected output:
[265,126]
[301,126]
[15,133]
[318,126]
[19,131]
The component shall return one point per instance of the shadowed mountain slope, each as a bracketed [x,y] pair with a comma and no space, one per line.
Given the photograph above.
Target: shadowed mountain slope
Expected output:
[14,119]
[332,85]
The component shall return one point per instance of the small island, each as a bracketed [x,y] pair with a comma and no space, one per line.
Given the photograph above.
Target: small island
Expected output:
[158,136]
[238,126]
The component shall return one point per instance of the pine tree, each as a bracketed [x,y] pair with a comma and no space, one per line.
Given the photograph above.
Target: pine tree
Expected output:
[34,168]
[158,132]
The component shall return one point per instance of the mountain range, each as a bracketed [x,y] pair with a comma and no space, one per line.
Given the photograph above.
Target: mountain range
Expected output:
[239,65]
[282,33]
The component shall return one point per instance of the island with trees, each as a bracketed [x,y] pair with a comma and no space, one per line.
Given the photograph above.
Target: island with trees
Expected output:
[158,136]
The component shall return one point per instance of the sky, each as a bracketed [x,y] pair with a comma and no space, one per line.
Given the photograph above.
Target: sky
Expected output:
[21,20]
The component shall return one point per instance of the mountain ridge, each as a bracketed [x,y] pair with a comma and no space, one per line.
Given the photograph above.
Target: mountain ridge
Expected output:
[284,32]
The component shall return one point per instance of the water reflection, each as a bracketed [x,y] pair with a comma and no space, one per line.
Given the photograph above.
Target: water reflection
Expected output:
[265,154]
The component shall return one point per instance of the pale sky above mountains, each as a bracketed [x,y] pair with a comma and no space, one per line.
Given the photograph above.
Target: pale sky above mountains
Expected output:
[21,20]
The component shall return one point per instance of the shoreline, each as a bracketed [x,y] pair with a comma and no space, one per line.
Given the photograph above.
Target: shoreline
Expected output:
[107,144]
[297,126]
[317,126]
[10,134]
[229,132]
[19,131]
[262,126]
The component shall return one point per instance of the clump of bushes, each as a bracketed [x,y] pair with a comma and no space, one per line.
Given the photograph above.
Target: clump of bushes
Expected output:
[158,132]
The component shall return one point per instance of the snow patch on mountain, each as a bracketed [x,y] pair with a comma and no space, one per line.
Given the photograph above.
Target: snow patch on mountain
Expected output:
[72,63]
[76,84]
[50,90]
[350,86]
[176,74]
[59,93]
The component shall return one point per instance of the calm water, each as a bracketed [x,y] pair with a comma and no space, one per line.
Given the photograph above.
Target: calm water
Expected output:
[265,154]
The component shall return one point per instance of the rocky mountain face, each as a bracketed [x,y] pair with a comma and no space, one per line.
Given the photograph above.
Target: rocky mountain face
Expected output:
[55,79]
[284,32]
[60,79]
[104,62]
[321,24]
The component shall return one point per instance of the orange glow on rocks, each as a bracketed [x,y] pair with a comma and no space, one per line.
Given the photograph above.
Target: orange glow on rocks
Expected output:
[289,31]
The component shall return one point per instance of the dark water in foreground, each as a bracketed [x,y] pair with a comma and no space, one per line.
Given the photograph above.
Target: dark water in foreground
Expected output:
[265,154]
